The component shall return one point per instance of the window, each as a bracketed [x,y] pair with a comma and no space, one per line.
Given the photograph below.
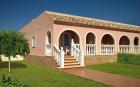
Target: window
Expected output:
[33,42]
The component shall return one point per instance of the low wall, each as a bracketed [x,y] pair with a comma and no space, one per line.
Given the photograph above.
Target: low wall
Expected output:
[51,63]
[99,59]
[42,60]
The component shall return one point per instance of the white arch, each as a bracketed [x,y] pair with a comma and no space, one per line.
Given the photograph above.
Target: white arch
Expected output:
[66,29]
[89,33]
[122,36]
[110,35]
[48,42]
[48,38]
[134,39]
[125,36]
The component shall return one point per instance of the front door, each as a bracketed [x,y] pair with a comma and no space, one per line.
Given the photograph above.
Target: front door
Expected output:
[66,40]
[66,43]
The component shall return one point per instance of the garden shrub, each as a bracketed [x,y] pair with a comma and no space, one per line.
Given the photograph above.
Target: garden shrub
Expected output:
[9,82]
[128,58]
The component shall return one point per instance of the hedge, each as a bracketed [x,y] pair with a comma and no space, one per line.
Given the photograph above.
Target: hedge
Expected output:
[128,58]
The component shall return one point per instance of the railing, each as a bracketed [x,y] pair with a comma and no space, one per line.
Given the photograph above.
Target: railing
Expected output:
[136,49]
[77,53]
[59,56]
[107,49]
[125,48]
[129,48]
[77,45]
[90,49]
[48,50]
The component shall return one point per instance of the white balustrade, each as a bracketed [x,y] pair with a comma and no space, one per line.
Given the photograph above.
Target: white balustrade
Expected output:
[136,49]
[48,50]
[129,48]
[90,49]
[107,49]
[59,56]
[77,45]
[77,52]
[125,48]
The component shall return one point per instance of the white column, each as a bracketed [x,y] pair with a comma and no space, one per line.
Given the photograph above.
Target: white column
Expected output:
[72,44]
[131,47]
[98,45]
[117,46]
[81,57]
[61,57]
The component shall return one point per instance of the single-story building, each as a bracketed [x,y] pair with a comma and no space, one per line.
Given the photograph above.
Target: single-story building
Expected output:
[69,39]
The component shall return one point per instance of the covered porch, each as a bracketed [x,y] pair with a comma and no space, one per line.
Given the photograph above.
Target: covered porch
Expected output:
[71,44]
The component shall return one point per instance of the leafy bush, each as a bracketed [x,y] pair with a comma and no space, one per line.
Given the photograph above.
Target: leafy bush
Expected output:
[128,58]
[9,82]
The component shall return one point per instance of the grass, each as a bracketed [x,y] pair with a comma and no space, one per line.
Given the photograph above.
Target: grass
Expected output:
[118,68]
[40,76]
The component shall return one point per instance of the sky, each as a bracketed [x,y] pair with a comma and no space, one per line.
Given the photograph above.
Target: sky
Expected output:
[14,14]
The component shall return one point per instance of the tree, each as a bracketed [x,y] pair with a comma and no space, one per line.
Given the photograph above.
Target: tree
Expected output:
[13,43]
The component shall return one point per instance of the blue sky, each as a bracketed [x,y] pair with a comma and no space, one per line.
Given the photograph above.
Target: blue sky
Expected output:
[14,14]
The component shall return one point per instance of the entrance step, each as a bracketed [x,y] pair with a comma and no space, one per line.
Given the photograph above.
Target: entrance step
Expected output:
[70,62]
[67,59]
[68,67]
[68,56]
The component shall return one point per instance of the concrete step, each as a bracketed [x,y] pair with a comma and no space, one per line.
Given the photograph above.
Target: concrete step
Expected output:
[68,56]
[70,61]
[71,64]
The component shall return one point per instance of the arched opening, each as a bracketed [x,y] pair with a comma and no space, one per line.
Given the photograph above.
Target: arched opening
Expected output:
[48,38]
[107,40]
[124,44]
[107,45]
[136,41]
[48,44]
[66,37]
[90,38]
[124,40]
[90,44]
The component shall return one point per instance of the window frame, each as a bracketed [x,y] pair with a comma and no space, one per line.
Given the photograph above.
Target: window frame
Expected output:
[33,41]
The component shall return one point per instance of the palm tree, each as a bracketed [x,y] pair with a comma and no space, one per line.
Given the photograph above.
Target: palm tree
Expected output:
[13,43]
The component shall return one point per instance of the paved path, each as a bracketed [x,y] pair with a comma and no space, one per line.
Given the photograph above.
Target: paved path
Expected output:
[107,78]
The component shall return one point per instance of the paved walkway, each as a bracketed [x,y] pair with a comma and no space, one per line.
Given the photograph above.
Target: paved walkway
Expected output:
[107,78]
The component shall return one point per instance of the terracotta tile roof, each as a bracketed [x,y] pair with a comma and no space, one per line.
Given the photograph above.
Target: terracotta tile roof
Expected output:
[66,18]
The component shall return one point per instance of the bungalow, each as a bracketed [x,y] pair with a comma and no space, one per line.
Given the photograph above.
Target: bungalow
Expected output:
[74,41]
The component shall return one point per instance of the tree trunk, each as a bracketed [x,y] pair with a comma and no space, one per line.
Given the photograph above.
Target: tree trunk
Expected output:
[9,64]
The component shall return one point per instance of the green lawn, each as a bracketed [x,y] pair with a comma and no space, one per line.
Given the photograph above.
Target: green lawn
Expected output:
[118,68]
[40,76]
